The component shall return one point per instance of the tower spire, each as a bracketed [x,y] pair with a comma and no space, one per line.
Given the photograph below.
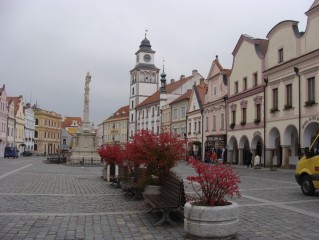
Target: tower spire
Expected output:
[146,33]
[163,80]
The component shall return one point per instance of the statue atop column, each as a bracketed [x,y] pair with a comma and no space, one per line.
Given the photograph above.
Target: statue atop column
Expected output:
[84,150]
[86,126]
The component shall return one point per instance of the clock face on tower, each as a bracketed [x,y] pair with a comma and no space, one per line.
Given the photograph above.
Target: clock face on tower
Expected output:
[147,58]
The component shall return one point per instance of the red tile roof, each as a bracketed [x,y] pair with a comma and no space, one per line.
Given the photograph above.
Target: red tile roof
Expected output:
[201,89]
[69,120]
[169,89]
[122,112]
[16,101]
[185,96]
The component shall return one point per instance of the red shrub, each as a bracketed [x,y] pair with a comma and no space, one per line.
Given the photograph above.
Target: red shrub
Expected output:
[215,183]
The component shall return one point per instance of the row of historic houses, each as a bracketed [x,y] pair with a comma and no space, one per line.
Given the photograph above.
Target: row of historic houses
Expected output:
[27,128]
[267,103]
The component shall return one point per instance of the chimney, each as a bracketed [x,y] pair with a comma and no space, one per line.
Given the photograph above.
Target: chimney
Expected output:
[182,76]
[172,80]
[194,72]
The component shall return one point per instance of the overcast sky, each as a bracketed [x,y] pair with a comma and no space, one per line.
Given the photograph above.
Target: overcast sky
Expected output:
[47,46]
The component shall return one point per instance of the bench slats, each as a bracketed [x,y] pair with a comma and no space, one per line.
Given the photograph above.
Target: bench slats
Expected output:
[171,197]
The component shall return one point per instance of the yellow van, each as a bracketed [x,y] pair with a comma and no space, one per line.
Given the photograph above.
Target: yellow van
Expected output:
[307,170]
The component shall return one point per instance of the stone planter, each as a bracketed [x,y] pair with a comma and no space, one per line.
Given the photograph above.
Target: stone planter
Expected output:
[104,174]
[211,222]
[152,189]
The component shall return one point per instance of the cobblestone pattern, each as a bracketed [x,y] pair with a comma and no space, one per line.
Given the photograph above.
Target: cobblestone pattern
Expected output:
[47,201]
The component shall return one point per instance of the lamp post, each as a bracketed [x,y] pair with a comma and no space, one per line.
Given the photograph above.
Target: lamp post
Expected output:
[266,84]
[299,108]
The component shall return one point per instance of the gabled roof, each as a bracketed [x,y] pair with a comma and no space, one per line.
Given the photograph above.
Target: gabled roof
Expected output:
[69,120]
[16,101]
[2,89]
[122,112]
[169,89]
[200,91]
[185,96]
[261,45]
[313,6]
[217,64]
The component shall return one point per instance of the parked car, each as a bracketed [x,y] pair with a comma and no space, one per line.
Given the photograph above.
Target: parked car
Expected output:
[27,153]
[307,170]
[11,152]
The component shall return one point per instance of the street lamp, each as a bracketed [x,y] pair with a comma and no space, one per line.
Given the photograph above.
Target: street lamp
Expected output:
[299,108]
[266,84]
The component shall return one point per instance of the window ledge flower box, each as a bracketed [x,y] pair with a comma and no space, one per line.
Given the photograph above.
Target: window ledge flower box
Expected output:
[310,103]
[274,110]
[287,107]
[257,121]
[243,123]
[232,125]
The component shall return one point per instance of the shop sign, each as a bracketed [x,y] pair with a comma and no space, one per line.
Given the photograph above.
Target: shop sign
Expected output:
[310,119]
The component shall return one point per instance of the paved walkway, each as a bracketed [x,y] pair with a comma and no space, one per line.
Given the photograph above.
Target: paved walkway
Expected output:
[47,201]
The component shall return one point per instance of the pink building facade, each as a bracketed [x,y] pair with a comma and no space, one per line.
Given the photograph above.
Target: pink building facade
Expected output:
[3,119]
[214,109]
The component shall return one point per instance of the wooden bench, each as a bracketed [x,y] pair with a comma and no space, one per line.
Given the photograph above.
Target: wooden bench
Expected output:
[133,185]
[171,197]
[55,159]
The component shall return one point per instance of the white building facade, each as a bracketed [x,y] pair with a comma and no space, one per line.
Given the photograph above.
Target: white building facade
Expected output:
[292,73]
[29,124]
[143,81]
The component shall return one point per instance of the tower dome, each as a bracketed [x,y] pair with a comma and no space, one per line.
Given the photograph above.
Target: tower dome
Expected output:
[145,44]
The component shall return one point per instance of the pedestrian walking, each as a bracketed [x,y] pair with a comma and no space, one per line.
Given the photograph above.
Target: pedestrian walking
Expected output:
[257,161]
[249,159]
[214,156]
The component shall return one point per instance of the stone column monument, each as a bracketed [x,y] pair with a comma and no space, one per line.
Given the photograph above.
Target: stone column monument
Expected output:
[84,148]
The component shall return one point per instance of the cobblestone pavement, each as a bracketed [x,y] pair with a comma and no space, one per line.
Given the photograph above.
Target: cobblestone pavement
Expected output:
[48,201]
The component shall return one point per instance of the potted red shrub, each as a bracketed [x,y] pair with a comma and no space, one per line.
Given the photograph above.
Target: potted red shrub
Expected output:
[209,214]
[112,155]
[159,153]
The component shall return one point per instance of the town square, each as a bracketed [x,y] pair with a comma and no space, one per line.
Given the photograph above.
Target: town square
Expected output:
[85,153]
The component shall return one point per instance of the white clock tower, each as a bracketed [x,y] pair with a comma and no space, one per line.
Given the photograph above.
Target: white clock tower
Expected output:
[143,80]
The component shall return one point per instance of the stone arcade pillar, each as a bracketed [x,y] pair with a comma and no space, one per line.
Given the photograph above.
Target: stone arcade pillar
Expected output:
[269,156]
[285,157]
[241,157]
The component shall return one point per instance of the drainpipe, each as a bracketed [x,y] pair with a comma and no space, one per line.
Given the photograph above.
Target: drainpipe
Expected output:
[186,138]
[265,86]
[299,108]
[226,114]
[203,149]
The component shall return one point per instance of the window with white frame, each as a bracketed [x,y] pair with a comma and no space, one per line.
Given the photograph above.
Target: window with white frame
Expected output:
[175,114]
[244,83]
[280,55]
[236,87]
[255,79]
[222,121]
[288,95]
[183,112]
[275,98]
[206,124]
[311,89]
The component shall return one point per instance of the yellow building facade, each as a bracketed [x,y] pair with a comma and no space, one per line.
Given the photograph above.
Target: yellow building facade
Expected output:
[47,131]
